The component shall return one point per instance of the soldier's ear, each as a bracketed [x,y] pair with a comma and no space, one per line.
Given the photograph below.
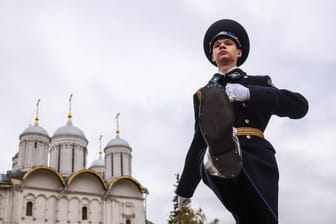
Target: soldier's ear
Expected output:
[239,53]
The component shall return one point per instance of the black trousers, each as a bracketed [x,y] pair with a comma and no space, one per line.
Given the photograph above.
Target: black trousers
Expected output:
[243,198]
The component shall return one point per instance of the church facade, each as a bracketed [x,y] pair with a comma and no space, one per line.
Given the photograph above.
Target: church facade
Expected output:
[50,182]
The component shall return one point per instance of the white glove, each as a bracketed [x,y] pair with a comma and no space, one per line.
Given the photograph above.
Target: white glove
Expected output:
[237,92]
[182,201]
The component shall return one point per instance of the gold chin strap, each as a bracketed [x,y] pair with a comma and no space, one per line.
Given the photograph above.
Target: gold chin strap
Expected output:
[249,131]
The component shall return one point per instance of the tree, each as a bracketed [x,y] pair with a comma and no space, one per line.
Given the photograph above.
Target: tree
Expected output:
[174,212]
[186,215]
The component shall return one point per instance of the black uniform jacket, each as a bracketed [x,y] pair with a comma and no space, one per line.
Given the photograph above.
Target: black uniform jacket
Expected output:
[258,154]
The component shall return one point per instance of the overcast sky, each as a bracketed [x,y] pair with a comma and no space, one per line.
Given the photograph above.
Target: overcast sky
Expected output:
[144,59]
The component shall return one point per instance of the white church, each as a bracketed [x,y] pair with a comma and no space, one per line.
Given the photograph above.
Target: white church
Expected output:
[50,182]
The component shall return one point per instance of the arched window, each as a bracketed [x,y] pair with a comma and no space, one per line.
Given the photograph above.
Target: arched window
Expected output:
[84,213]
[29,208]
[35,144]
[128,221]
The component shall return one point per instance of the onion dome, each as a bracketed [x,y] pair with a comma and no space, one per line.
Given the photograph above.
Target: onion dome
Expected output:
[117,141]
[100,162]
[69,130]
[35,129]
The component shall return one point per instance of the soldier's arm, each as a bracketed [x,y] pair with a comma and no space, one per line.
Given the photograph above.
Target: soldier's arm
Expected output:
[280,102]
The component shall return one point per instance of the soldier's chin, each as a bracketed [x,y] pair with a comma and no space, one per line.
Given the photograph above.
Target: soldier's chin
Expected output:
[225,61]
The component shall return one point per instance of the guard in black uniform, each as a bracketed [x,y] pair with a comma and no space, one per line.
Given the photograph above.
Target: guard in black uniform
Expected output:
[229,151]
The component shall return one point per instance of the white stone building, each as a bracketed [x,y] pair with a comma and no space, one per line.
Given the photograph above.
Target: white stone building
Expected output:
[50,183]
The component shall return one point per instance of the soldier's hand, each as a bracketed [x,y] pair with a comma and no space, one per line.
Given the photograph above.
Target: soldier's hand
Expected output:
[182,201]
[237,92]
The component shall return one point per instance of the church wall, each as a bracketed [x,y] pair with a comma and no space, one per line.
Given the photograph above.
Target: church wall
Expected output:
[2,204]
[79,158]
[74,210]
[14,202]
[28,162]
[62,210]
[128,201]
[100,170]
[65,161]
[127,164]
[108,167]
[47,208]
[57,207]
[33,151]
[72,154]
[116,164]
[96,211]
[116,211]
[51,209]
[53,157]
[43,179]
[86,182]
[120,209]
[40,209]
[42,196]
[42,154]
[123,202]
[25,197]
[108,211]
[126,188]
[39,156]
[133,209]
[44,207]
[22,154]
[74,204]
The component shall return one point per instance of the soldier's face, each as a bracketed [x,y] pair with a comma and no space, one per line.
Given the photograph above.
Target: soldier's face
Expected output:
[225,51]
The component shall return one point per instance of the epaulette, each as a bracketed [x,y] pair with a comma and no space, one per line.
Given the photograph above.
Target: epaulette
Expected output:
[199,95]
[260,80]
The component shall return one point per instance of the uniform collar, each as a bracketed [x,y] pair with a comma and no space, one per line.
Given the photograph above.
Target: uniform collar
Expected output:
[231,69]
[233,74]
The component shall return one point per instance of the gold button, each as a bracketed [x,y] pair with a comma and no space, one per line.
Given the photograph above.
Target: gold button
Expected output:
[244,104]
[247,121]
[245,76]
[248,136]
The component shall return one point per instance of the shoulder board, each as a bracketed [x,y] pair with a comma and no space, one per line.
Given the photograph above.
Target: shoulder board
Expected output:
[257,80]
